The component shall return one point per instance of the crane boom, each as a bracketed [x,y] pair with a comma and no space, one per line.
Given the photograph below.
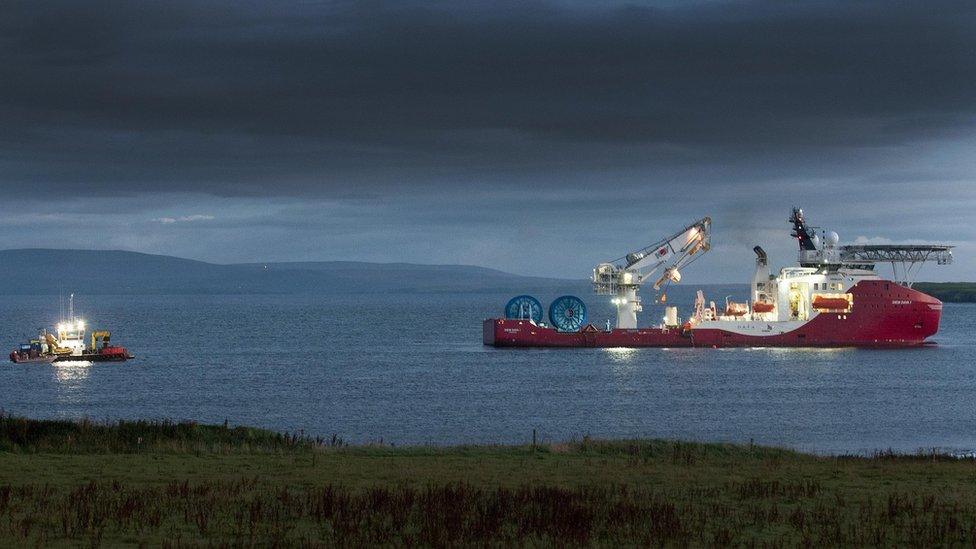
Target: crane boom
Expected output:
[624,276]
[683,243]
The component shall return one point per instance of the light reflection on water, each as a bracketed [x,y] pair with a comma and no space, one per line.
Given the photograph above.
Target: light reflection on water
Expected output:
[71,377]
[621,354]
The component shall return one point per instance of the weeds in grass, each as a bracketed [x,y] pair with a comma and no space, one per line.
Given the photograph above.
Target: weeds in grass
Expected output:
[652,492]
[245,512]
[19,434]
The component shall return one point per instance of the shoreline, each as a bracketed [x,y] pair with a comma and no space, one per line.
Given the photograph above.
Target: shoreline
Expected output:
[949,292]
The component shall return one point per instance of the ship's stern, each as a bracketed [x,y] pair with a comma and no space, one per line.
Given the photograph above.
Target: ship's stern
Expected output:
[488,331]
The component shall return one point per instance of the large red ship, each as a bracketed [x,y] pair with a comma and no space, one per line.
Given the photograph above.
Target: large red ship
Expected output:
[833,298]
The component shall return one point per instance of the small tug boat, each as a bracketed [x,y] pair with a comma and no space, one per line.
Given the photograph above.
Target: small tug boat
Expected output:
[70,343]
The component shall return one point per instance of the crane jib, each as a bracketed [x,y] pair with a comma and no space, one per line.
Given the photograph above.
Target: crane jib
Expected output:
[697,232]
[623,278]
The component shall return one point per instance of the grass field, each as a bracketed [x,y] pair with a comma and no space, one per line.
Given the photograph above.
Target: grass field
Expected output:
[65,483]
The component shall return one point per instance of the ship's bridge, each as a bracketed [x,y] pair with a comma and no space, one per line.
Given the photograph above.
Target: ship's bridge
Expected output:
[71,335]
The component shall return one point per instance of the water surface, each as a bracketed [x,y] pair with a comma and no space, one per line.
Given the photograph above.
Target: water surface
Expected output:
[411,369]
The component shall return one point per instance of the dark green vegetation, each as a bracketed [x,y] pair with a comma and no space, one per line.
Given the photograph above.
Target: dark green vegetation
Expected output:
[950,292]
[29,436]
[185,484]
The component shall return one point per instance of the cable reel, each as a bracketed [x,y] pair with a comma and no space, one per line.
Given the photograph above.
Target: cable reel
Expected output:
[524,307]
[568,313]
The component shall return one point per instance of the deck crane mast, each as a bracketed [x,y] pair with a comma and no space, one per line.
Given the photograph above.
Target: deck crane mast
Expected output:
[623,277]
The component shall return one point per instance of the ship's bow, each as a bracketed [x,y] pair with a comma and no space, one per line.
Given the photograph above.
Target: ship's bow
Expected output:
[929,312]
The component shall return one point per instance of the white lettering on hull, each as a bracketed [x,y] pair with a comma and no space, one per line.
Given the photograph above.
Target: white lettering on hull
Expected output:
[756,328]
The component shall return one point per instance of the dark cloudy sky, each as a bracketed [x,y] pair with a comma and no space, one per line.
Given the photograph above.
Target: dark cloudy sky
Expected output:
[534,137]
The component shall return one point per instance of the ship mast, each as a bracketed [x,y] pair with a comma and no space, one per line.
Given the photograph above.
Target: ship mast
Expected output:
[801,232]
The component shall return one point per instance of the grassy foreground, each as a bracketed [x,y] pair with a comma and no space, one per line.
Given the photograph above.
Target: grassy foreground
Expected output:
[65,483]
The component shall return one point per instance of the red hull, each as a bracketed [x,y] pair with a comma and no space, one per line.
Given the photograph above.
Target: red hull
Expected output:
[884,314]
[107,354]
[20,358]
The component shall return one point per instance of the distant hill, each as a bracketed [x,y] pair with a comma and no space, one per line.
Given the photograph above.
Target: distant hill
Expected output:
[44,271]
[950,292]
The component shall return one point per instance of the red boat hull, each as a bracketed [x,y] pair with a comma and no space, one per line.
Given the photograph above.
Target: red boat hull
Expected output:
[884,314]
[25,358]
[106,354]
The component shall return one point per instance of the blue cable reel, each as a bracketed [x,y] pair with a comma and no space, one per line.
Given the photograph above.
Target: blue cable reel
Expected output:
[524,307]
[568,313]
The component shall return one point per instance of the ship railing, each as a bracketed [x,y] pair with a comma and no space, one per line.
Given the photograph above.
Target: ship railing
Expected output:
[796,272]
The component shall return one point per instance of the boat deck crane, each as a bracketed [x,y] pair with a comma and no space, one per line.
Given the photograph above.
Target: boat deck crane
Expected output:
[623,277]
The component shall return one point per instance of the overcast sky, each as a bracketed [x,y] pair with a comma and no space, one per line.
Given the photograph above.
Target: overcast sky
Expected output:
[533,137]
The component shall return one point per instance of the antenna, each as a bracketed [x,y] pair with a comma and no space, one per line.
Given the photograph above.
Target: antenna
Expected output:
[71,308]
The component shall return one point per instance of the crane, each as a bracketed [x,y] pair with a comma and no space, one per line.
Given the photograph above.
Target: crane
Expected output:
[623,277]
[102,335]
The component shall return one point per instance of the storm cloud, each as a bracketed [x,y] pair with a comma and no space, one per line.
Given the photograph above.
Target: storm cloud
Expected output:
[430,116]
[169,95]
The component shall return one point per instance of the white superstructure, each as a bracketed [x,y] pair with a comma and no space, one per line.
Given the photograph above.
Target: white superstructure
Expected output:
[71,331]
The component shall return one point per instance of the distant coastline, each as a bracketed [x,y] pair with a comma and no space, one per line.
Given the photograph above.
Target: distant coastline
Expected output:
[949,292]
[108,272]
[114,272]
[100,272]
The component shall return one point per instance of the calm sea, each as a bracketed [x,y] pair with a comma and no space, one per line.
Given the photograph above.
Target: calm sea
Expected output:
[411,369]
